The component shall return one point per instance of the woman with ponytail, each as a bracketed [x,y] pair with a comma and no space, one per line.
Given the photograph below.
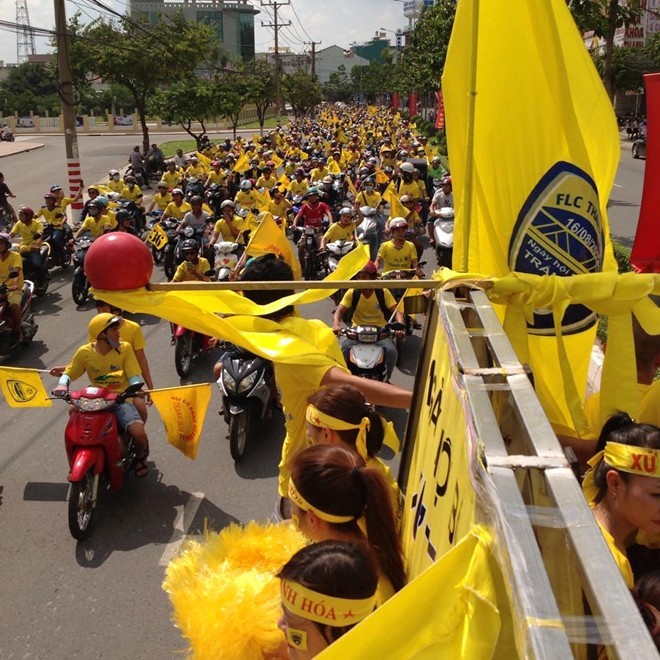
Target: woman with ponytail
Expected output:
[335,496]
[341,416]
[623,487]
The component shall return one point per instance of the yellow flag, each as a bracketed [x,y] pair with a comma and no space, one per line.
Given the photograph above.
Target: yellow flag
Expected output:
[256,138]
[277,161]
[390,193]
[205,161]
[304,155]
[397,209]
[263,199]
[242,164]
[268,238]
[284,181]
[333,167]
[183,410]
[351,186]
[456,610]
[530,200]
[23,388]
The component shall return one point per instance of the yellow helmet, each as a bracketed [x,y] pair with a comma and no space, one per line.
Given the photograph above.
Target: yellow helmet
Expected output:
[100,323]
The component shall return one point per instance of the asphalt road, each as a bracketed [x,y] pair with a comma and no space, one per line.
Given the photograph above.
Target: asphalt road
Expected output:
[102,598]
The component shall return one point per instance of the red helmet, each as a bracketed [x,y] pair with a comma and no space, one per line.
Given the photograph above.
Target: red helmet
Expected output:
[27,210]
[370,268]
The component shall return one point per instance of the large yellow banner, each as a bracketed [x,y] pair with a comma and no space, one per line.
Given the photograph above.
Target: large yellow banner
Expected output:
[534,148]
[440,499]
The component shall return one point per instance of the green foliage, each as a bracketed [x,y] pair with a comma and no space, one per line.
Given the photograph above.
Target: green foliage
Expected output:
[622,257]
[260,89]
[31,87]
[378,77]
[339,86]
[139,56]
[302,91]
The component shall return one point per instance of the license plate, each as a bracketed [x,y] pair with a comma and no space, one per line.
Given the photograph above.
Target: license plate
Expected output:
[157,237]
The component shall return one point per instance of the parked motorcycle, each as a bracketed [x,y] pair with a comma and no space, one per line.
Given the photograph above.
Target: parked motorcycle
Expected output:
[8,339]
[188,344]
[80,283]
[246,396]
[95,450]
[227,255]
[443,235]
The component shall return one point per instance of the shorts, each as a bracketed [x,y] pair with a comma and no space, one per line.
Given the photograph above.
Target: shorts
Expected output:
[127,414]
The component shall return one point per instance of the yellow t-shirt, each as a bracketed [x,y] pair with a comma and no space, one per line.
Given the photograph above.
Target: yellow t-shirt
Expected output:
[247,199]
[318,173]
[299,188]
[397,258]
[27,232]
[110,219]
[131,195]
[184,272]
[337,233]
[12,262]
[53,216]
[413,220]
[297,383]
[411,189]
[96,227]
[620,558]
[268,183]
[112,370]
[279,208]
[116,186]
[649,409]
[196,170]
[177,212]
[368,199]
[172,179]
[161,201]
[216,177]
[368,311]
[222,229]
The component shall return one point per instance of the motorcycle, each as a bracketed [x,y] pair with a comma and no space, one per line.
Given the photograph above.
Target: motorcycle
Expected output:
[62,260]
[8,339]
[247,396]
[7,137]
[95,450]
[311,262]
[188,344]
[370,230]
[80,283]
[366,359]
[174,257]
[334,252]
[139,174]
[40,276]
[171,228]
[397,294]
[227,255]
[443,234]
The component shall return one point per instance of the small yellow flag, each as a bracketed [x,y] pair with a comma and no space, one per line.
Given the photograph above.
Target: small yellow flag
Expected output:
[183,410]
[333,167]
[23,388]
[277,161]
[397,209]
[389,193]
[268,238]
[263,199]
[205,161]
[284,181]
[242,164]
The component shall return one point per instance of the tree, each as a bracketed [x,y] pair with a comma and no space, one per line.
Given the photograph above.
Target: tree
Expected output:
[339,86]
[139,56]
[230,92]
[302,91]
[628,67]
[185,102]
[30,87]
[260,87]
[604,17]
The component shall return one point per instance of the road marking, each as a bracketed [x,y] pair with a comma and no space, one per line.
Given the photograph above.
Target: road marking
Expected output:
[616,185]
[183,521]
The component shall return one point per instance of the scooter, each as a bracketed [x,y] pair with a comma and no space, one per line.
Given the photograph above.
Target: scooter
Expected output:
[333,255]
[370,230]
[443,234]
[95,450]
[188,344]
[39,277]
[8,339]
[397,294]
[227,255]
[311,262]
[80,283]
[7,137]
[247,396]
[366,359]
[62,260]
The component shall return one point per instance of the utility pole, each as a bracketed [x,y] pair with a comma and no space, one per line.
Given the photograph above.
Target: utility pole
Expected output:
[313,44]
[277,26]
[68,102]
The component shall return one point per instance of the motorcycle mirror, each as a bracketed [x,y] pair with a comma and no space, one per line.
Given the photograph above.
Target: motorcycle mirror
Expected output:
[210,273]
[396,327]
[132,390]
[12,274]
[421,264]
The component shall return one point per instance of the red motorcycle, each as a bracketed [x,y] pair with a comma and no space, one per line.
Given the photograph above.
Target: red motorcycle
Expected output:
[188,344]
[96,450]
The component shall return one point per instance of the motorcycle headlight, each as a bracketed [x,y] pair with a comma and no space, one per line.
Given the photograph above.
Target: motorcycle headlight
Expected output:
[188,232]
[228,380]
[92,405]
[247,382]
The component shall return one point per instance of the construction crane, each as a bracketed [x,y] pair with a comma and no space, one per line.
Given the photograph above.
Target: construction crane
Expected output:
[24,35]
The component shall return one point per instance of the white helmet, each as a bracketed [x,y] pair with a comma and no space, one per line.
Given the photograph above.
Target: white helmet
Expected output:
[407,167]
[246,185]
[227,203]
[113,172]
[347,210]
[398,223]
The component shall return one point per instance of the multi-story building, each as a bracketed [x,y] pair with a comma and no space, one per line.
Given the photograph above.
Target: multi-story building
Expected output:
[232,20]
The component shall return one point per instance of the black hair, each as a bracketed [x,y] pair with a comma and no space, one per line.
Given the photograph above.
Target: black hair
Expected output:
[268,268]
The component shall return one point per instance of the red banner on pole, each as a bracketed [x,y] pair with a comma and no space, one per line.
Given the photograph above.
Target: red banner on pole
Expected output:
[395,100]
[645,256]
[412,104]
[440,114]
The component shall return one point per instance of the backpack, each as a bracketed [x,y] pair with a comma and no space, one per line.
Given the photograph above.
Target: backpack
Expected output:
[357,293]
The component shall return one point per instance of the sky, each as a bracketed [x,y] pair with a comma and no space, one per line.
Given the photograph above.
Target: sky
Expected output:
[339,22]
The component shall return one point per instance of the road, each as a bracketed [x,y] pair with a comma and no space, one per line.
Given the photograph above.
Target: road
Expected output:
[102,598]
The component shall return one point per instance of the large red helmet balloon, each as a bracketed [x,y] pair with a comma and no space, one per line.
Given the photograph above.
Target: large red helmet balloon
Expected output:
[118,262]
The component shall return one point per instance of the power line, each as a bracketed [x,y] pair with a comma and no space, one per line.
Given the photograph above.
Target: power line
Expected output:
[295,13]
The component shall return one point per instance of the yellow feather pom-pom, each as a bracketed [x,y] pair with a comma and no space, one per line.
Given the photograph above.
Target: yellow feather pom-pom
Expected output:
[225,597]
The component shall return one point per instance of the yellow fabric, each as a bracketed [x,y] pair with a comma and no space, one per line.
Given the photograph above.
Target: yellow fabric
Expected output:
[368,199]
[411,189]
[12,262]
[185,274]
[620,558]
[157,237]
[246,199]
[329,610]
[389,193]
[397,258]
[284,181]
[95,226]
[53,216]
[183,410]
[649,410]
[268,238]
[333,167]
[131,195]
[115,186]
[262,199]
[216,177]
[337,232]
[172,210]
[635,460]
[302,503]
[318,418]
[23,388]
[280,208]
[27,232]
[368,311]
[455,610]
[112,370]
[204,161]
[299,187]
[172,179]
[242,164]
[161,201]
[267,183]
[592,411]
[518,201]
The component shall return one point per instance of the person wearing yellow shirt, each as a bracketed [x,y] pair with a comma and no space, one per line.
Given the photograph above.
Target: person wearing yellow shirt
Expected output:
[178,207]
[245,197]
[11,274]
[368,196]
[108,215]
[300,185]
[398,253]
[266,180]
[216,175]
[289,168]
[115,182]
[131,191]
[280,206]
[161,199]
[414,223]
[111,363]
[95,223]
[342,230]
[60,231]
[29,229]
[195,169]
[172,176]
[194,267]
[63,201]
[227,228]
[319,170]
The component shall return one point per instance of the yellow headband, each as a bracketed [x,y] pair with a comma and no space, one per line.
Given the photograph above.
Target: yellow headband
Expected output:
[627,458]
[303,504]
[328,610]
[317,418]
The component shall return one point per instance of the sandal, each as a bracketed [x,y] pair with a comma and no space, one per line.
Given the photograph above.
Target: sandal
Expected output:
[140,467]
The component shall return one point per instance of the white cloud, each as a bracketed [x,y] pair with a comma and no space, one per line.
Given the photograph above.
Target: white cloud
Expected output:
[337,22]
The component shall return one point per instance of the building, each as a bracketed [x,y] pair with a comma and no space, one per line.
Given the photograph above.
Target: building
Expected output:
[232,20]
[289,62]
[373,49]
[331,58]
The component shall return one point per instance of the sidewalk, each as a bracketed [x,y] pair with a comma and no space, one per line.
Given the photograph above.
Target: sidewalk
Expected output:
[11,148]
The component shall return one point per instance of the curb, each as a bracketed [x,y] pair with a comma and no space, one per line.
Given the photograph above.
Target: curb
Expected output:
[23,150]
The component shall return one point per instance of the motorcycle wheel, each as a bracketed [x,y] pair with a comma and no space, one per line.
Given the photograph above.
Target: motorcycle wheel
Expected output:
[169,265]
[79,289]
[158,255]
[183,355]
[310,269]
[238,435]
[81,509]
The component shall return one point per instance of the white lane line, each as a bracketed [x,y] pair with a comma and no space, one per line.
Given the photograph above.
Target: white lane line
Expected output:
[184,518]
[616,185]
